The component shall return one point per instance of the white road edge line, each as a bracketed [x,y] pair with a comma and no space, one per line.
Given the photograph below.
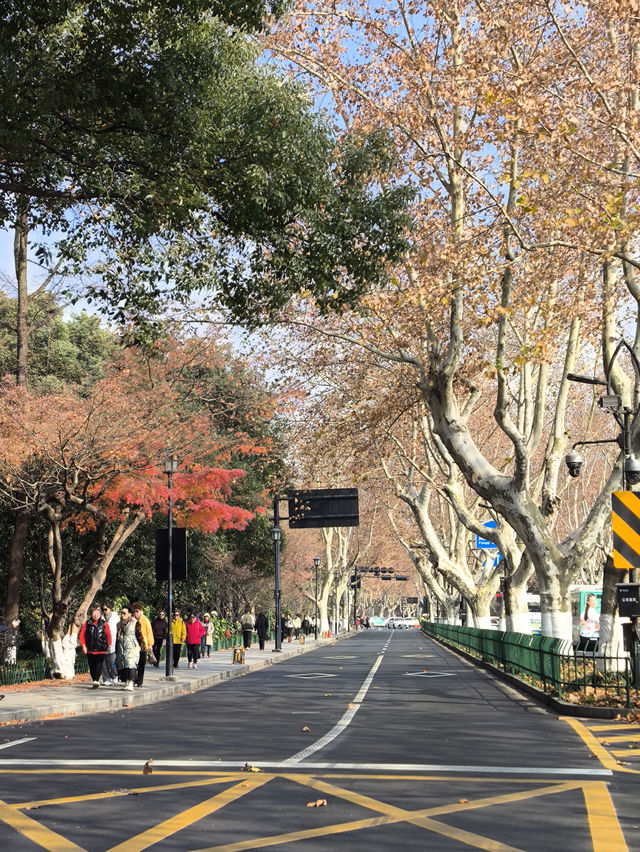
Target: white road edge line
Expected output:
[213,765]
[17,742]
[345,721]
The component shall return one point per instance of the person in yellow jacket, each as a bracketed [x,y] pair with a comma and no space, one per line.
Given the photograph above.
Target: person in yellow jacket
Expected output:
[144,635]
[178,635]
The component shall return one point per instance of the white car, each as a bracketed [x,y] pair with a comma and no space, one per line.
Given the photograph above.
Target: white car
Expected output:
[398,623]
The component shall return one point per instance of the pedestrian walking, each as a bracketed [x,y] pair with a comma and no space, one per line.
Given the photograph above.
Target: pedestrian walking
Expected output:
[144,635]
[208,636]
[262,626]
[127,648]
[306,625]
[95,638]
[195,631]
[247,623]
[159,627]
[297,626]
[178,635]
[288,628]
[109,672]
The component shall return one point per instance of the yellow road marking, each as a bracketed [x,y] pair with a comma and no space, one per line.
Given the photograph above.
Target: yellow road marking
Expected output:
[391,814]
[606,833]
[36,832]
[129,791]
[634,738]
[185,818]
[620,726]
[605,830]
[466,836]
[600,751]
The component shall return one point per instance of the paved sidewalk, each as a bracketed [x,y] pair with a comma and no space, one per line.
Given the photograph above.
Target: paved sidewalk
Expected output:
[53,699]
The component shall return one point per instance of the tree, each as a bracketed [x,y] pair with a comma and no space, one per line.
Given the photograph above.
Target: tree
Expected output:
[150,144]
[91,463]
[519,125]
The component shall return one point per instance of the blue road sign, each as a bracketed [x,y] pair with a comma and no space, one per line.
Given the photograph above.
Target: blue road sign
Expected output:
[484,543]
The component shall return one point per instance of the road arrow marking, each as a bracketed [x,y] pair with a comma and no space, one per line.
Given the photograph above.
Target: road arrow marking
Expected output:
[311,675]
[430,674]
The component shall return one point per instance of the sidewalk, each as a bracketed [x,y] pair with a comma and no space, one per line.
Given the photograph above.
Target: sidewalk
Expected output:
[49,699]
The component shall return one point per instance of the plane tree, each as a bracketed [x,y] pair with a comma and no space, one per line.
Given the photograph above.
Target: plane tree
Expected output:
[518,124]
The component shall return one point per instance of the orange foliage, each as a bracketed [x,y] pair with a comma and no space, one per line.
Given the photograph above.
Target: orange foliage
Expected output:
[94,457]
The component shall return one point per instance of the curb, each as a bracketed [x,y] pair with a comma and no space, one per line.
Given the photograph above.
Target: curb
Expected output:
[119,700]
[584,711]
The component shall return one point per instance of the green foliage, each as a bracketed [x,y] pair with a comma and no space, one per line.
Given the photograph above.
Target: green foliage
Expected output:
[154,148]
[60,351]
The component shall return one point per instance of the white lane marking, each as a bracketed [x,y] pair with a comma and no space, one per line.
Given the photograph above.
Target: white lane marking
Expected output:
[212,765]
[17,742]
[345,721]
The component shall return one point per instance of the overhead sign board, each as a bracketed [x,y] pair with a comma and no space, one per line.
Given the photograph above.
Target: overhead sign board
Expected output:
[323,507]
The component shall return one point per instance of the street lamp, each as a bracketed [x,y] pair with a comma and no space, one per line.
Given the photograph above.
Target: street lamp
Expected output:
[316,565]
[169,467]
[276,535]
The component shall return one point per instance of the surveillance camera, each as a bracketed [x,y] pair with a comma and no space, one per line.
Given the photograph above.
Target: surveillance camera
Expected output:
[574,462]
[632,469]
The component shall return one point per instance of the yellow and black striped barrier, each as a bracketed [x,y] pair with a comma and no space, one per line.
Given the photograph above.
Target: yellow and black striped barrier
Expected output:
[625,522]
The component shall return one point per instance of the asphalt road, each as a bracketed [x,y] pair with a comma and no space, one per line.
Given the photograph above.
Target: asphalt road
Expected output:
[399,743]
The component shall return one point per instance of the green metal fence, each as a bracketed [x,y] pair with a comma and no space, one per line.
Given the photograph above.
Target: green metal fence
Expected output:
[547,663]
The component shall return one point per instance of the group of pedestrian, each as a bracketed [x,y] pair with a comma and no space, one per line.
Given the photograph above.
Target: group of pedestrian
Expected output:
[293,626]
[118,648]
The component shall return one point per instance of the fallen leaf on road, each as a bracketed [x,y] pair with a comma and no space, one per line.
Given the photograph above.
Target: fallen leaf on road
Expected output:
[319,803]
[463,801]
[306,729]
[146,769]
[249,768]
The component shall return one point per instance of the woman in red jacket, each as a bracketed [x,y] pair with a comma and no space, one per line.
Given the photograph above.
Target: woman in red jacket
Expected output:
[95,639]
[195,629]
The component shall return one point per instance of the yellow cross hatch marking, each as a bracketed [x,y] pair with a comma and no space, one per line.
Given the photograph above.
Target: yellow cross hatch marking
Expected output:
[35,831]
[605,758]
[605,830]
[182,820]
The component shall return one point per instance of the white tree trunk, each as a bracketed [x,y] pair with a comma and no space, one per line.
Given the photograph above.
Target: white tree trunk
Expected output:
[62,653]
[323,610]
[610,644]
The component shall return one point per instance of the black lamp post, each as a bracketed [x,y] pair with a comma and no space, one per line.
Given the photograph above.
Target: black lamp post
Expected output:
[316,565]
[276,535]
[169,467]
